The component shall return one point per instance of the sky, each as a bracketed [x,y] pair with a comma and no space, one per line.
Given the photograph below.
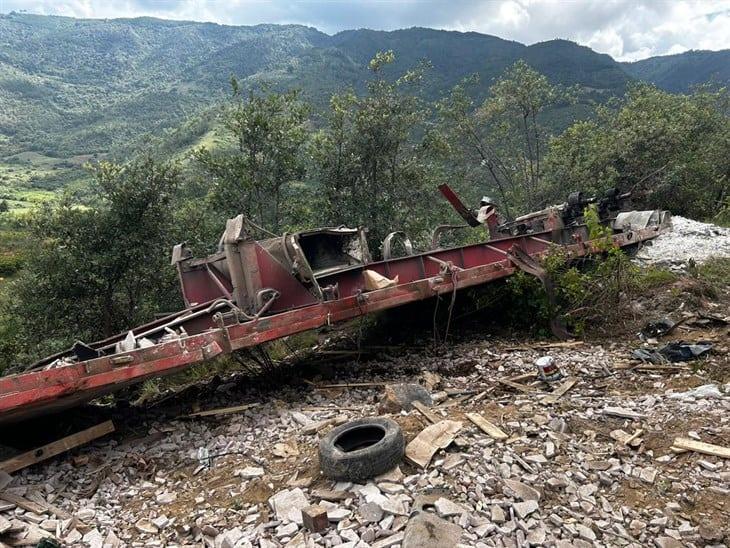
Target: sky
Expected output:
[625,29]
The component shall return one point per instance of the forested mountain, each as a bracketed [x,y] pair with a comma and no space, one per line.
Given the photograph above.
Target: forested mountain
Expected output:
[71,86]
[679,73]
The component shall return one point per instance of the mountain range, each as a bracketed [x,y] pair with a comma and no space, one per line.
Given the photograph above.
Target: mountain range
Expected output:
[73,87]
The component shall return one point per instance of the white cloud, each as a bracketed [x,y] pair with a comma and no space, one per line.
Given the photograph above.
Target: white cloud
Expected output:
[625,29]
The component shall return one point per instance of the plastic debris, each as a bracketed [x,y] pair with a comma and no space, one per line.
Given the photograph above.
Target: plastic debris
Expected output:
[673,352]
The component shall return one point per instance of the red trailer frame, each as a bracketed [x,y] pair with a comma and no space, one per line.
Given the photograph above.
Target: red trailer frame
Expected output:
[251,292]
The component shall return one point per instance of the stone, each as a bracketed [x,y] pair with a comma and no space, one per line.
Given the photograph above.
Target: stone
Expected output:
[338,514]
[537,536]
[315,518]
[549,450]
[166,498]
[250,472]
[667,542]
[524,509]
[648,474]
[391,488]
[160,522]
[401,396]
[94,539]
[426,530]
[288,505]
[146,526]
[585,533]
[446,508]
[522,491]
[330,495]
[287,530]
[370,512]
[710,533]
[85,514]
[389,541]
[497,514]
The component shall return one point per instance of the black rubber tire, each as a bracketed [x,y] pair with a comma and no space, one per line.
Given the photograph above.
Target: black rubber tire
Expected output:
[361,449]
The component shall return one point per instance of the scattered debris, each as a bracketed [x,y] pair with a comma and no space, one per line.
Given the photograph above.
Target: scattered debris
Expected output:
[674,352]
[402,396]
[572,474]
[560,391]
[486,426]
[361,449]
[223,410]
[547,370]
[426,530]
[57,447]
[437,436]
[704,391]
[687,241]
[659,328]
[374,281]
[623,413]
[700,447]
[315,518]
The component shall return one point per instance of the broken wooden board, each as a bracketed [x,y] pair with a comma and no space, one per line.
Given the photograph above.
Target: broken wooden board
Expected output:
[518,386]
[560,391]
[701,447]
[52,509]
[223,410]
[316,426]
[59,446]
[22,502]
[349,385]
[437,436]
[625,438]
[423,410]
[487,427]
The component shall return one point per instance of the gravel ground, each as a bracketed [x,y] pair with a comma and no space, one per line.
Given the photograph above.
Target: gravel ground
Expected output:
[563,477]
[687,240]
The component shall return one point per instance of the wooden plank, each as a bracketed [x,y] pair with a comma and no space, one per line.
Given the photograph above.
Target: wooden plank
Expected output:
[423,410]
[487,427]
[349,385]
[57,447]
[518,386]
[560,391]
[437,436]
[22,502]
[50,508]
[701,447]
[223,410]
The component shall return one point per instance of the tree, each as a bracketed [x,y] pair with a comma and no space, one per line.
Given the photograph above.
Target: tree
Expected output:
[96,271]
[670,150]
[254,175]
[374,160]
[503,142]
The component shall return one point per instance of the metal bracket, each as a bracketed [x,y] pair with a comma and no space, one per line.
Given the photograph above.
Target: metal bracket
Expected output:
[527,263]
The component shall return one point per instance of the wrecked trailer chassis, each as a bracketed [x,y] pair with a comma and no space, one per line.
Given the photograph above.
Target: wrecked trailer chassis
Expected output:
[222,325]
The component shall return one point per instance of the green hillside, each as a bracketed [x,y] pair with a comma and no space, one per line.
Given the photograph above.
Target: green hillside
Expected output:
[70,87]
[72,90]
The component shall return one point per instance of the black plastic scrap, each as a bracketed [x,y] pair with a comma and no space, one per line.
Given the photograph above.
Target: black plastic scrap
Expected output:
[673,352]
[657,329]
